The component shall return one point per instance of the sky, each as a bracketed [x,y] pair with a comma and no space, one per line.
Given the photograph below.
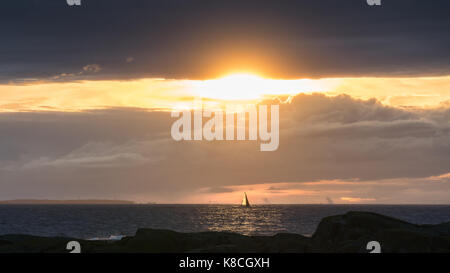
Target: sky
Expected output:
[86,95]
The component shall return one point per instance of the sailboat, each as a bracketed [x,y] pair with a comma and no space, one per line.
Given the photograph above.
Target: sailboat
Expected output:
[245,202]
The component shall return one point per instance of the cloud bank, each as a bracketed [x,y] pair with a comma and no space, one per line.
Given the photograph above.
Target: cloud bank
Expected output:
[200,39]
[129,153]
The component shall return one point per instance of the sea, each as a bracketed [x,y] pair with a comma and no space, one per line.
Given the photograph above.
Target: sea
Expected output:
[116,221]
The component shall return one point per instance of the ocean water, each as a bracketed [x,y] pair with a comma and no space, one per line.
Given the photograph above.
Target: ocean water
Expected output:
[104,221]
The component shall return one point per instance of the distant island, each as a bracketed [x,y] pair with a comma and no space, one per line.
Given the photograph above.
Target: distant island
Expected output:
[65,202]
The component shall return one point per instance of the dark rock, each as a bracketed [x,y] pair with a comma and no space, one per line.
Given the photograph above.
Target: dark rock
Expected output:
[342,233]
[351,233]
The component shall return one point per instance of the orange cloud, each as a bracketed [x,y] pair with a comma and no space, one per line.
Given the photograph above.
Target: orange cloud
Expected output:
[357,199]
[165,94]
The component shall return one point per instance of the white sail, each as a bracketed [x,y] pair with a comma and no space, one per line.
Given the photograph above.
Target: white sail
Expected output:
[245,202]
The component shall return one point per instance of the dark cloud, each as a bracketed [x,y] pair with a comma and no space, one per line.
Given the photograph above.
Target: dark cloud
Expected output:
[200,38]
[129,152]
[92,68]
[219,190]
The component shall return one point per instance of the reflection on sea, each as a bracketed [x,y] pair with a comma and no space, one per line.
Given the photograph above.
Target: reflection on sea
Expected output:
[103,221]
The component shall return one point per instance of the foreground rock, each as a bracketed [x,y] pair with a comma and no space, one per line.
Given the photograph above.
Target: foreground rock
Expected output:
[342,233]
[352,231]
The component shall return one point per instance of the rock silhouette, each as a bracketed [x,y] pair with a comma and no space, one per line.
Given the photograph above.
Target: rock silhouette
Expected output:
[342,233]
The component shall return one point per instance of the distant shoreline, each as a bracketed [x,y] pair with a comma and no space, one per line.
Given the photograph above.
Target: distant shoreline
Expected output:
[127,202]
[66,202]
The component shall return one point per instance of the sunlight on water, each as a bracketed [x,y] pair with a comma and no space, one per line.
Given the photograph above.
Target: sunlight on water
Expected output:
[103,221]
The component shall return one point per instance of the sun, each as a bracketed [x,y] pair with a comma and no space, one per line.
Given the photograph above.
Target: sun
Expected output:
[232,87]
[246,86]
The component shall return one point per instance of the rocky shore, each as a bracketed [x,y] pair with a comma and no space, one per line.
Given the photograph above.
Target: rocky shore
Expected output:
[342,233]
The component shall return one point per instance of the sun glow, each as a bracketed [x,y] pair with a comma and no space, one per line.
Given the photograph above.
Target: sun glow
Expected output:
[253,87]
[233,89]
